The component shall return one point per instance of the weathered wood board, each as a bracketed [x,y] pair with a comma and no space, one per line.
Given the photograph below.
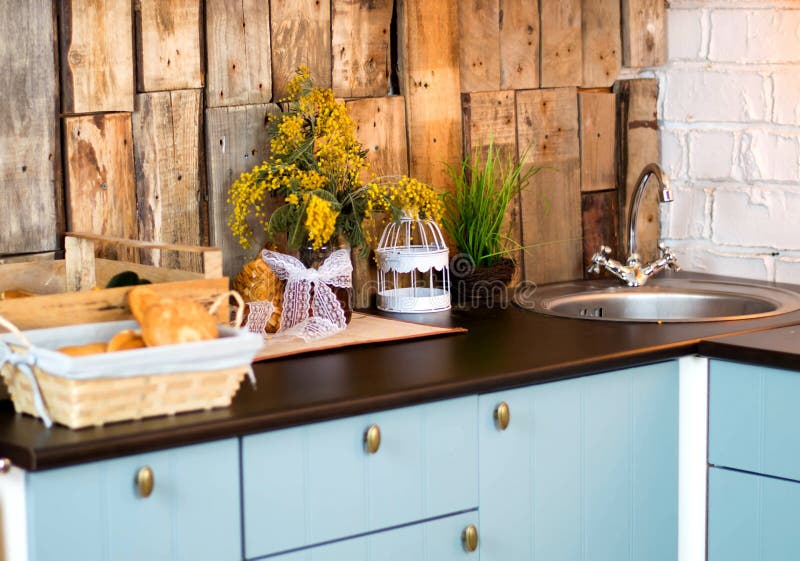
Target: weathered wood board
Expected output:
[101,193]
[360,43]
[168,45]
[239,64]
[381,130]
[600,216]
[519,44]
[478,43]
[490,117]
[96,56]
[547,124]
[637,146]
[644,33]
[597,126]
[301,35]
[30,186]
[55,310]
[166,138]
[602,42]
[430,82]
[562,46]
[236,140]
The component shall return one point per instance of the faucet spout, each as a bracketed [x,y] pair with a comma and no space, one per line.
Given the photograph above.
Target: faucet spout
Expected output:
[664,195]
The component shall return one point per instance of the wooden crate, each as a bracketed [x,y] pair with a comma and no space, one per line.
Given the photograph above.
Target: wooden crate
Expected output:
[67,292]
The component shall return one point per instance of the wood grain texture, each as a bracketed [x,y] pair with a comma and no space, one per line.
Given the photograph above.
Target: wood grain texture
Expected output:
[239,64]
[479,40]
[111,304]
[602,43]
[519,44]
[101,193]
[430,81]
[168,46]
[360,43]
[644,33]
[562,50]
[96,56]
[29,144]
[600,218]
[381,130]
[166,133]
[301,35]
[236,140]
[491,117]
[598,128]
[547,123]
[637,146]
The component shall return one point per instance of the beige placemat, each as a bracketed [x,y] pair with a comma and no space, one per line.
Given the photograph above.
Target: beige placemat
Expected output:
[363,329]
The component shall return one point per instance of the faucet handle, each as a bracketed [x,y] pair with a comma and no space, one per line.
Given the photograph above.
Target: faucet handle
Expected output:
[599,259]
[670,259]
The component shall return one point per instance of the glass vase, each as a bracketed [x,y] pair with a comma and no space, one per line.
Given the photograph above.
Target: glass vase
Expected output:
[313,259]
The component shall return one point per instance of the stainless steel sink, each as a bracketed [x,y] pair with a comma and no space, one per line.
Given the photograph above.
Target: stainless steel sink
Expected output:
[661,300]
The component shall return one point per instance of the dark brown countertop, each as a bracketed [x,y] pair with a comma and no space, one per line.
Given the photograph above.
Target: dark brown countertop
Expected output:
[777,348]
[503,348]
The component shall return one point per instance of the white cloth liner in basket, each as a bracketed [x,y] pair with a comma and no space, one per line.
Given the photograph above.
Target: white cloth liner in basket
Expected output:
[234,347]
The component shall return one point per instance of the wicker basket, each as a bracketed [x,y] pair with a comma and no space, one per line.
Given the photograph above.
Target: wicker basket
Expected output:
[164,387]
[85,403]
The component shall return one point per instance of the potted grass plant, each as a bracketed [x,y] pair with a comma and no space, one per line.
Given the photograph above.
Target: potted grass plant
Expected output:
[486,183]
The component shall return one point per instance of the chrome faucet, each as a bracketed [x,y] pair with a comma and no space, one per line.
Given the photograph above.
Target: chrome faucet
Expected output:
[633,273]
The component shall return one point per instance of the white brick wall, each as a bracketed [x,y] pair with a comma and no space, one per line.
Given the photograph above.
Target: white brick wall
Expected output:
[729,114]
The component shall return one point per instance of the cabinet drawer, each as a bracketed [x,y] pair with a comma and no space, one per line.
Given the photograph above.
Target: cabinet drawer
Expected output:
[311,484]
[752,517]
[754,419]
[438,540]
[94,512]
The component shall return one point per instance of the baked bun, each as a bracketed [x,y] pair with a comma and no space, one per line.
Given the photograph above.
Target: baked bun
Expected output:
[141,298]
[87,349]
[126,340]
[180,320]
[256,282]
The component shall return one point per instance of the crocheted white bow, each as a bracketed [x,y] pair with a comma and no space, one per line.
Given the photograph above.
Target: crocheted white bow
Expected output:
[327,316]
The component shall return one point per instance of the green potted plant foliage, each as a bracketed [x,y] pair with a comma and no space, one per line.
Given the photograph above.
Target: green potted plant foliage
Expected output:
[485,184]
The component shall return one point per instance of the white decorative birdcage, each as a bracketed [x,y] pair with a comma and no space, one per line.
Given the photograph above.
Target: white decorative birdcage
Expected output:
[413,267]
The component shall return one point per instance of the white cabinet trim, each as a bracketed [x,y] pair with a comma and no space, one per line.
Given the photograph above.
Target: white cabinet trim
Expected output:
[13,516]
[692,457]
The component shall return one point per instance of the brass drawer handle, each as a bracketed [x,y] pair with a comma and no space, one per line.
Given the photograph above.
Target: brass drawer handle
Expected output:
[469,537]
[5,465]
[372,439]
[502,416]
[145,481]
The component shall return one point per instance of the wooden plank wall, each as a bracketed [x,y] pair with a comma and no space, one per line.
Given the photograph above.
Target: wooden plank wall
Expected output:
[157,107]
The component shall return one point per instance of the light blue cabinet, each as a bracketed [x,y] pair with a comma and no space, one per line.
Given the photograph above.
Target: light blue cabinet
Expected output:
[754,439]
[752,517]
[93,512]
[754,418]
[311,484]
[586,469]
[437,540]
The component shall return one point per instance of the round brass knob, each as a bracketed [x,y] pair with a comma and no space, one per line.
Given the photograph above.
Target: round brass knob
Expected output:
[145,481]
[469,537]
[372,439]
[5,465]
[502,416]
